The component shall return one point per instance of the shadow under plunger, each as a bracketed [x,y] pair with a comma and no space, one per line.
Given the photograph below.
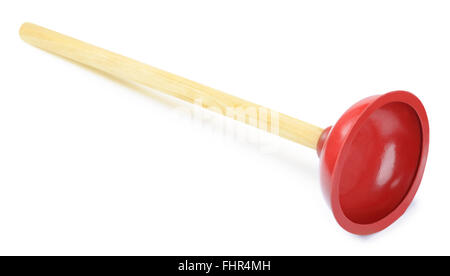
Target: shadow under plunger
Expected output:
[371,161]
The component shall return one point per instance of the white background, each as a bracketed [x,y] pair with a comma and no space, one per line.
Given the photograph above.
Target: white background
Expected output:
[93,165]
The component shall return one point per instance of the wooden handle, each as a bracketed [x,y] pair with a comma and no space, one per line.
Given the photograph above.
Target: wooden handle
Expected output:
[129,69]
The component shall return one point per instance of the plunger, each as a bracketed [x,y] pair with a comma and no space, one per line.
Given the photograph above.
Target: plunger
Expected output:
[371,161]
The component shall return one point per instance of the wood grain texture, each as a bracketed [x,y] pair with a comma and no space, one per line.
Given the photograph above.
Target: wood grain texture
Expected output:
[187,90]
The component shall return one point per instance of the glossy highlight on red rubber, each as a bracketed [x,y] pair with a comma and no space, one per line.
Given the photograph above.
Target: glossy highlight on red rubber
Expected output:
[372,160]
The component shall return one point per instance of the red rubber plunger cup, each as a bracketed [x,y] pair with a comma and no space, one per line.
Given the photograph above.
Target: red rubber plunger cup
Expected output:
[372,160]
